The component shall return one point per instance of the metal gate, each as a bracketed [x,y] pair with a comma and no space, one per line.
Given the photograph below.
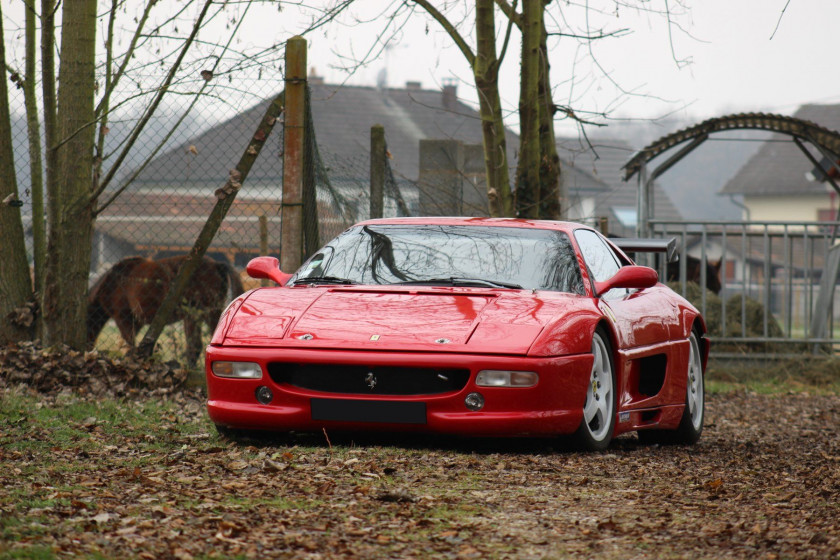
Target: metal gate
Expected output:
[776,283]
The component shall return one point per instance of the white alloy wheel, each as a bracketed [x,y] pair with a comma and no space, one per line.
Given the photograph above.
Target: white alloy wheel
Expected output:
[599,408]
[696,392]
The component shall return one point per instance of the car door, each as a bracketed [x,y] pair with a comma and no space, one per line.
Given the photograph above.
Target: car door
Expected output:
[641,317]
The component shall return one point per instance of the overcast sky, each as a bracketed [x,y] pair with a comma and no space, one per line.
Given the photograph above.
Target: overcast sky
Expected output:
[717,57]
[728,61]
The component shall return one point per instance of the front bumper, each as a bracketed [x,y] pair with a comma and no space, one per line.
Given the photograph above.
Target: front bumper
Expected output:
[553,406]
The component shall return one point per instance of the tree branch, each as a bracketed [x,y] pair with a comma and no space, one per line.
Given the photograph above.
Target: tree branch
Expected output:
[510,12]
[450,30]
[601,35]
[174,127]
[110,85]
[511,22]
[151,109]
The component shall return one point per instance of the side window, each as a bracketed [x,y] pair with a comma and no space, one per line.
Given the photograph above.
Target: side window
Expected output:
[600,259]
[316,264]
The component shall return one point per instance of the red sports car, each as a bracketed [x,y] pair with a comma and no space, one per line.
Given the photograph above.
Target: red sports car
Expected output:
[470,326]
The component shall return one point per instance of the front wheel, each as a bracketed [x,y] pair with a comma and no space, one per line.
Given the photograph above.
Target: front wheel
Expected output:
[596,427]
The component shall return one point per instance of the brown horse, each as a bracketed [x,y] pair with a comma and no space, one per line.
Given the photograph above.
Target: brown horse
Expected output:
[694,272]
[132,291]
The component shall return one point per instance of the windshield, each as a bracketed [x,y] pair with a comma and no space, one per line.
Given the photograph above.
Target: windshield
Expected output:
[500,257]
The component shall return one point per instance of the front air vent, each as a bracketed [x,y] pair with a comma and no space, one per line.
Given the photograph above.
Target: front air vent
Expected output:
[373,380]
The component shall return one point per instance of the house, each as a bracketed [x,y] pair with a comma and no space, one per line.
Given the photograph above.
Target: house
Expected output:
[778,183]
[602,160]
[435,156]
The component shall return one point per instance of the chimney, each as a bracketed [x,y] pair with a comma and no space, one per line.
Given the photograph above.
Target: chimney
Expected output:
[412,86]
[450,93]
[441,177]
[314,79]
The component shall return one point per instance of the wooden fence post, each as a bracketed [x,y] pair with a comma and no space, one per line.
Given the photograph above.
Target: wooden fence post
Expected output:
[291,208]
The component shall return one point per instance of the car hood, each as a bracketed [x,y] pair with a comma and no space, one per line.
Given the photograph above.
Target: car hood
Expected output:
[431,319]
[434,319]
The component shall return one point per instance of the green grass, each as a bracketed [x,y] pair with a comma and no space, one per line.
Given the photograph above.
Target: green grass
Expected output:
[806,375]
[31,553]
[170,346]
[27,425]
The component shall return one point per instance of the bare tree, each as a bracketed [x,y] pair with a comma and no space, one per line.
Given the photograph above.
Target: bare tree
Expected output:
[71,216]
[15,289]
[528,167]
[110,52]
[77,166]
[485,66]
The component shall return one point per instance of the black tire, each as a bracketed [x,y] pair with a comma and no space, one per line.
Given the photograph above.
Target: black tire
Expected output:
[243,436]
[251,437]
[691,424]
[228,433]
[599,409]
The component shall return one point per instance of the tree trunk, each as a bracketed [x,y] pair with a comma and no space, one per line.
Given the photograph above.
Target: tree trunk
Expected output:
[15,287]
[36,171]
[48,8]
[486,73]
[70,214]
[552,193]
[528,170]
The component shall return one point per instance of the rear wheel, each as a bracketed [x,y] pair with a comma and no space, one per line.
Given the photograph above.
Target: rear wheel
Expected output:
[596,427]
[691,423]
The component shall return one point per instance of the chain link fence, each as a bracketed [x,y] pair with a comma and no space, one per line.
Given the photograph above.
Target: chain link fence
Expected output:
[164,192]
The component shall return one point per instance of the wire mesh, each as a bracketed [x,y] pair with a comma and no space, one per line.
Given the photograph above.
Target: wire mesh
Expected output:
[166,191]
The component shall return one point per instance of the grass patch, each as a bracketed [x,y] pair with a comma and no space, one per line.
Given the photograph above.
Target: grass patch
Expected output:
[768,376]
[31,553]
[171,345]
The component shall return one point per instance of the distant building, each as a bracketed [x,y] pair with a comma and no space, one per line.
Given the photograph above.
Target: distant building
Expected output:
[775,182]
[601,160]
[434,142]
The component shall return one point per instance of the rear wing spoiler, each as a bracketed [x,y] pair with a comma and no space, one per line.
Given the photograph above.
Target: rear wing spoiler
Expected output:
[646,245]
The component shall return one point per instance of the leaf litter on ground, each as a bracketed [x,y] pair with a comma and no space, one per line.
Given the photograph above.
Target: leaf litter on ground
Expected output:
[109,458]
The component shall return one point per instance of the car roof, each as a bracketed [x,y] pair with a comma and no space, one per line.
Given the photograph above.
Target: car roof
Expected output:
[467,221]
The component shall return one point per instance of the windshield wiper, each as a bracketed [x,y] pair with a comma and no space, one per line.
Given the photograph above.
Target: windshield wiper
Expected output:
[323,280]
[455,281]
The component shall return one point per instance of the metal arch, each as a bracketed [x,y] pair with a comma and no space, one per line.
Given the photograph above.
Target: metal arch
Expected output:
[824,139]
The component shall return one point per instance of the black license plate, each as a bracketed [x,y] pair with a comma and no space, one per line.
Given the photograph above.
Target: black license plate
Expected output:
[395,412]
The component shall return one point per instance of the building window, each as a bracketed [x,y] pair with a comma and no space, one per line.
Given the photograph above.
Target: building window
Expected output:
[626,215]
[826,215]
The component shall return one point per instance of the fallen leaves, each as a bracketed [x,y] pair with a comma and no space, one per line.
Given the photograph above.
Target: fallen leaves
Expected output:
[58,369]
[752,487]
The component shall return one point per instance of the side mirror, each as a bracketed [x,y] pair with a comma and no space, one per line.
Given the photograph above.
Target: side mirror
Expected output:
[632,277]
[268,268]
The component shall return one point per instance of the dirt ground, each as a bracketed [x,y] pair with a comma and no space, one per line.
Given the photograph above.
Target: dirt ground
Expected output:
[147,477]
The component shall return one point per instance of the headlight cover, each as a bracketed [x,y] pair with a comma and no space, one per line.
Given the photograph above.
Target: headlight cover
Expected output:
[505,378]
[237,370]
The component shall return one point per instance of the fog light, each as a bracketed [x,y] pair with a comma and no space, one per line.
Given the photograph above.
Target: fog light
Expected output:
[474,401]
[264,394]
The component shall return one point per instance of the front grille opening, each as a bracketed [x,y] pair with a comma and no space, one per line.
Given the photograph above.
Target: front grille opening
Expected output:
[369,380]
